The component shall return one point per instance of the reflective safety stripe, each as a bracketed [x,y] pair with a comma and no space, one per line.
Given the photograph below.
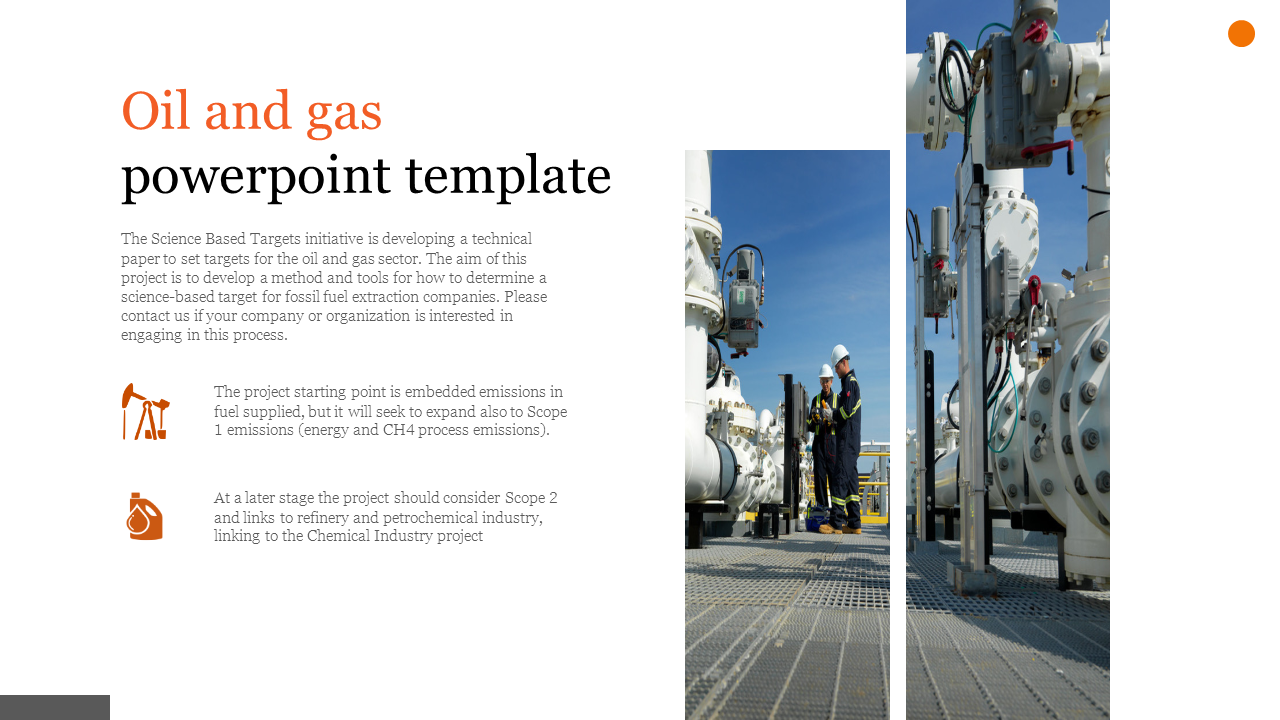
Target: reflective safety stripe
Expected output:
[838,501]
[855,410]
[818,404]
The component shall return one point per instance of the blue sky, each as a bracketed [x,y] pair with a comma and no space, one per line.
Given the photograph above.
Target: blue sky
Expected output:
[822,221]
[931,175]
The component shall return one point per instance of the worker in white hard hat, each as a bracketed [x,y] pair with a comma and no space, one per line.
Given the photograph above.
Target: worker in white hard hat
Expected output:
[822,425]
[848,421]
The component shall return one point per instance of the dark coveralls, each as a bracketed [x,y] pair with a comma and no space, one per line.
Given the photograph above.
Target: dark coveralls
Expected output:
[845,491]
[824,446]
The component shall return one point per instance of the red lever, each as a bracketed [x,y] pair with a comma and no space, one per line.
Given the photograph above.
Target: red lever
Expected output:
[938,265]
[1034,150]
[1070,145]
[1033,287]
[1037,33]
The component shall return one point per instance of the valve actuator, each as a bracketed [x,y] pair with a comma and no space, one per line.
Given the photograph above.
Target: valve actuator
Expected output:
[743,305]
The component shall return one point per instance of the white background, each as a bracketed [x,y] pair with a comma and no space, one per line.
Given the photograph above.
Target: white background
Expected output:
[580,618]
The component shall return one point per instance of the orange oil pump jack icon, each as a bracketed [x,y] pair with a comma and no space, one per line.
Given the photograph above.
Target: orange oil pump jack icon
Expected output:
[147,414]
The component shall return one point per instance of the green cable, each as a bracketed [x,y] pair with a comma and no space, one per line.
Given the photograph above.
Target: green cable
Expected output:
[990,401]
[997,410]
[1006,28]
[946,78]
[946,71]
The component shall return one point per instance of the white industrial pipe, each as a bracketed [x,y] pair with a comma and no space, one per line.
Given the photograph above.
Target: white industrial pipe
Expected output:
[772,439]
[1096,134]
[925,111]
[1091,73]
[709,469]
[697,181]
[1064,443]
[729,468]
[733,423]
[706,476]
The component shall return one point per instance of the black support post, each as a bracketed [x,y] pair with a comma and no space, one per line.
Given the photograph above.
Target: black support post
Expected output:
[695,511]
[789,455]
[1062,561]
[986,530]
[694,540]
[924,498]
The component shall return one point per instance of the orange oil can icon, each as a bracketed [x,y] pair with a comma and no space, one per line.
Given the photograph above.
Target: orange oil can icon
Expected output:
[145,521]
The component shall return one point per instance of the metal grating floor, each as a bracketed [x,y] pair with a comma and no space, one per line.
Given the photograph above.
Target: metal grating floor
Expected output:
[1031,652]
[789,628]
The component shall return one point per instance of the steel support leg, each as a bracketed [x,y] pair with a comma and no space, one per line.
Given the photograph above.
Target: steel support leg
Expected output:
[694,541]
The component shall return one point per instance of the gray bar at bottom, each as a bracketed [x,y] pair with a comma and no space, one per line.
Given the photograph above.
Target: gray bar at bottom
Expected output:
[55,707]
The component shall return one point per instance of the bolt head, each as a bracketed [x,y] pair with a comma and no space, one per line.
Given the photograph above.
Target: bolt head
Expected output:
[1012,490]
[1088,392]
[1080,488]
[1004,463]
[1065,402]
[1036,453]
[1066,445]
[1046,487]
[1045,385]
[1036,417]
[1075,360]
[1099,349]
[1090,438]
[1103,482]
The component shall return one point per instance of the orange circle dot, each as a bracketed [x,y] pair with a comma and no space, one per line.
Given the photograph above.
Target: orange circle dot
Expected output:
[1240,33]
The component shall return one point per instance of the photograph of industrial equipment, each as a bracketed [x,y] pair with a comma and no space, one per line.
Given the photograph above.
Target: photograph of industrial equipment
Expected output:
[1008,510]
[787,509]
